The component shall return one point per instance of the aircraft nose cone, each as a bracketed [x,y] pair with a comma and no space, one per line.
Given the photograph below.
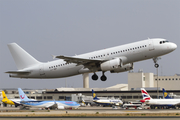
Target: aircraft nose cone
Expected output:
[173,46]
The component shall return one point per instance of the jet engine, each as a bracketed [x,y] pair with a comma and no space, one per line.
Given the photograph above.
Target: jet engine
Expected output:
[60,107]
[113,64]
[126,67]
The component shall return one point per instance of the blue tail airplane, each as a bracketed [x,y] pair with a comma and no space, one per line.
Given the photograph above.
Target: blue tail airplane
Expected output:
[105,102]
[166,96]
[46,104]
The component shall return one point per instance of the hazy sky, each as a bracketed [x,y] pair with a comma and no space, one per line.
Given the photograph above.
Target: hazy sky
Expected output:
[68,27]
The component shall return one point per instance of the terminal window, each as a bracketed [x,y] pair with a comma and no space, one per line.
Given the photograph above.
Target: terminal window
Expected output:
[32,97]
[154,96]
[129,97]
[135,97]
[49,97]
[116,97]
[123,97]
[38,97]
[61,97]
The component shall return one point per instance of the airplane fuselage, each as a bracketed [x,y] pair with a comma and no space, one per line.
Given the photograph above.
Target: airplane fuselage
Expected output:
[163,102]
[108,102]
[47,104]
[128,53]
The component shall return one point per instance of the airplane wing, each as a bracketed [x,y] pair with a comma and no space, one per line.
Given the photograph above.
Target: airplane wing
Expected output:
[81,61]
[177,103]
[51,105]
[18,72]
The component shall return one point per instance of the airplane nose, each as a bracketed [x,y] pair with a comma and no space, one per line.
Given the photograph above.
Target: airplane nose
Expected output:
[173,46]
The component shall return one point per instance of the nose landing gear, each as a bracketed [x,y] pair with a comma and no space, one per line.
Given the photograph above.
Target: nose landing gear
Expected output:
[156,65]
[155,61]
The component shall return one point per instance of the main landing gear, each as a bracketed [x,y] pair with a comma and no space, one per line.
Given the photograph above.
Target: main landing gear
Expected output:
[103,77]
[94,77]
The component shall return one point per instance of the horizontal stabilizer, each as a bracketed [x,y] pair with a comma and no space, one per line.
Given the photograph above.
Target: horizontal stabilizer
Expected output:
[18,72]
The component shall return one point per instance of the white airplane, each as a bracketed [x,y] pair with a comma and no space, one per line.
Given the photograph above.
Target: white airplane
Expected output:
[158,102]
[115,59]
[105,102]
[46,104]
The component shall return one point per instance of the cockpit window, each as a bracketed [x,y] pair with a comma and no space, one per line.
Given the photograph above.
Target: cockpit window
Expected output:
[161,42]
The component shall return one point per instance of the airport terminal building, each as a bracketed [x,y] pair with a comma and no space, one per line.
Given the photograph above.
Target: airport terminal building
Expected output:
[149,80]
[126,92]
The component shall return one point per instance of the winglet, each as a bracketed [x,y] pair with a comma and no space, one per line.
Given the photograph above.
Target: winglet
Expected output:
[54,56]
[22,95]
[94,95]
[166,96]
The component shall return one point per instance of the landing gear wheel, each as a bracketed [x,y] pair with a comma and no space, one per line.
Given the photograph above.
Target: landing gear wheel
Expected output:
[94,77]
[156,65]
[103,78]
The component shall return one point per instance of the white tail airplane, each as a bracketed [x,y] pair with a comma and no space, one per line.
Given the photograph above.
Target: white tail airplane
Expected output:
[158,102]
[115,59]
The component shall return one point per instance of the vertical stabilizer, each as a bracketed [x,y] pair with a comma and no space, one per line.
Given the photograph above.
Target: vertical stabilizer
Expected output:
[21,57]
[22,95]
[145,94]
[166,96]
[94,95]
[4,95]
[6,100]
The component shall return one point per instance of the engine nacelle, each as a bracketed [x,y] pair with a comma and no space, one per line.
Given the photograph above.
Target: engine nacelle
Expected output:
[126,67]
[60,107]
[113,64]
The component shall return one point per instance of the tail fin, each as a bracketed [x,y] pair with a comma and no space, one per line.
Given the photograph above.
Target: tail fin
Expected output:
[145,95]
[6,100]
[83,101]
[166,96]
[94,95]
[22,95]
[4,95]
[21,57]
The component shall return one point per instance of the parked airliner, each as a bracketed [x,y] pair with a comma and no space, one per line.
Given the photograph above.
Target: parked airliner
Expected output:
[165,94]
[46,104]
[15,102]
[116,59]
[105,102]
[158,102]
